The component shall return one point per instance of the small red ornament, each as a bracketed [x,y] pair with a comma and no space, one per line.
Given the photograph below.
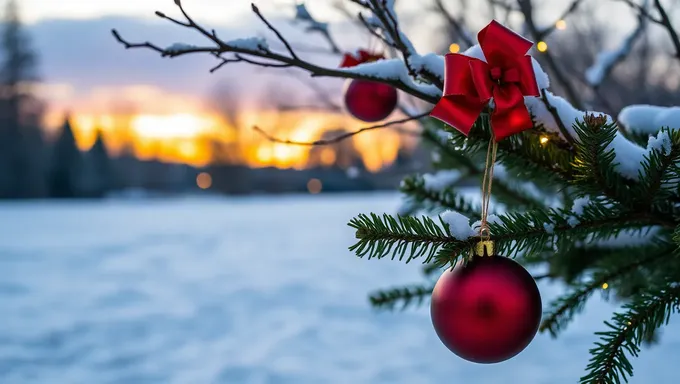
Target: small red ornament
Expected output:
[487,310]
[366,100]
[507,76]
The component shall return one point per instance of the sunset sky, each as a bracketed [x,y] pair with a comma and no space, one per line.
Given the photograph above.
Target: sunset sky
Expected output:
[168,106]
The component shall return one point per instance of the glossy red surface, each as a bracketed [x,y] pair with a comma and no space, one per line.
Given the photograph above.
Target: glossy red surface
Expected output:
[486,311]
[370,101]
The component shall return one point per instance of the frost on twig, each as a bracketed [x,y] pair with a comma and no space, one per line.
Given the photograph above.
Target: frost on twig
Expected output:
[252,51]
[313,25]
[607,60]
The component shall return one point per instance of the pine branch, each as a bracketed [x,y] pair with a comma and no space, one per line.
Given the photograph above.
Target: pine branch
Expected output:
[379,237]
[456,155]
[648,312]
[563,309]
[594,167]
[515,233]
[403,296]
[660,172]
[522,153]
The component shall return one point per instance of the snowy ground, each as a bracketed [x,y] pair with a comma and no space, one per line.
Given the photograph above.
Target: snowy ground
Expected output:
[253,290]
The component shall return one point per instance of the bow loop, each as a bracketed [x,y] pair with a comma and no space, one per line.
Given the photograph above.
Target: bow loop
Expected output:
[506,76]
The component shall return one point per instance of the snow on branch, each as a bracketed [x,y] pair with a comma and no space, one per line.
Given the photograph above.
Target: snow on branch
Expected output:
[313,25]
[649,119]
[251,50]
[607,60]
[392,69]
[629,156]
[386,18]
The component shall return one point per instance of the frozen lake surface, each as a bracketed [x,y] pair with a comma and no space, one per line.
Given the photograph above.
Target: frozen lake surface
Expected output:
[249,290]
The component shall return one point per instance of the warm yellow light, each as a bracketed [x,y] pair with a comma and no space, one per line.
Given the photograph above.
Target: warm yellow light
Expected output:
[327,157]
[454,48]
[314,186]
[544,139]
[542,46]
[182,125]
[204,180]
[605,286]
[561,25]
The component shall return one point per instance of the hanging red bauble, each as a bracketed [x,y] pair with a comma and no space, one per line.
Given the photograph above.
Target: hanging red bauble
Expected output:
[370,101]
[487,310]
[366,100]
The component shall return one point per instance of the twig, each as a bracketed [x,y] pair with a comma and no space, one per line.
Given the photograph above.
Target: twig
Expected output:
[278,34]
[571,9]
[666,22]
[375,33]
[456,24]
[346,135]
[553,111]
[605,62]
[526,8]
[641,10]
[382,11]
[280,60]
[302,14]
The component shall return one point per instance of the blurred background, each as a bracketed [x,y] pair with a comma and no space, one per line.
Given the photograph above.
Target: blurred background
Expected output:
[149,234]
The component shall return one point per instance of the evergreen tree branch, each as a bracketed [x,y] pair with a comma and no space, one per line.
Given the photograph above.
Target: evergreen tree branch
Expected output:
[563,309]
[466,160]
[660,172]
[648,312]
[402,296]
[526,232]
[379,237]
[594,167]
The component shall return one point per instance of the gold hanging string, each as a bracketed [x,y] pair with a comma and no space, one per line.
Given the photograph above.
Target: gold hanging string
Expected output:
[484,232]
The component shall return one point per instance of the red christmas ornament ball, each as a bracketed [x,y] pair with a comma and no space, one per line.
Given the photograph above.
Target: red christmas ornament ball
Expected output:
[486,311]
[370,101]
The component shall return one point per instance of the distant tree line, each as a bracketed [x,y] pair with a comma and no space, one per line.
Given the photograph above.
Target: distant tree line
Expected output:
[33,166]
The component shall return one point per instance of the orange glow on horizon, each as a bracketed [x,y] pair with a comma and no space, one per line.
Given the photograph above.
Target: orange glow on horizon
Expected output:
[190,137]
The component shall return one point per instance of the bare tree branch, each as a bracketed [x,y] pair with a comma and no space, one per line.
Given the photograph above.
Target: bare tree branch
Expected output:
[642,10]
[663,21]
[557,118]
[278,34]
[346,135]
[279,60]
[605,62]
[382,9]
[457,24]
[313,25]
[666,22]
[526,7]
[571,9]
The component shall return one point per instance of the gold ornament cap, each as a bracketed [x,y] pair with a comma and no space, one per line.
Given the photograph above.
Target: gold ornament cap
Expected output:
[484,248]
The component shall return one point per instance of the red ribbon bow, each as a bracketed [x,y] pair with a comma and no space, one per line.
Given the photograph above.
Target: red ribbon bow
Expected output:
[507,76]
[360,57]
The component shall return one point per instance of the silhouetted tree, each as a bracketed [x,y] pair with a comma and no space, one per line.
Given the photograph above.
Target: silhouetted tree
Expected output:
[98,172]
[21,141]
[65,173]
